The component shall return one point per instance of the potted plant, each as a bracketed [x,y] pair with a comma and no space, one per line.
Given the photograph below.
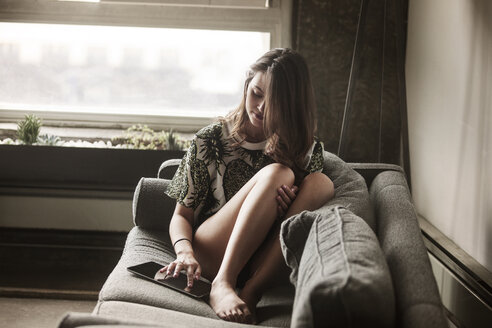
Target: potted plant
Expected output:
[39,163]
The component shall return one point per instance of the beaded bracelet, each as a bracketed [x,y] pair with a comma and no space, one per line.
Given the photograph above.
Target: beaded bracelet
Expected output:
[180,239]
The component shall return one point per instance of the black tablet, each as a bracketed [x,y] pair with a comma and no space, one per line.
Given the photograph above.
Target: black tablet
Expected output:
[150,271]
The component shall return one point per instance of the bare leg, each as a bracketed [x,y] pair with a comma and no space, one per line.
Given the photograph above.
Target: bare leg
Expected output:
[236,231]
[314,192]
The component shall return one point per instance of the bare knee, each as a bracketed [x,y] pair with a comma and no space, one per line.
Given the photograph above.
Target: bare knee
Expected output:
[319,186]
[278,173]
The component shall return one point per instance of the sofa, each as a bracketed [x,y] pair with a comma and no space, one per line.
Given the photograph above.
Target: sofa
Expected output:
[358,261]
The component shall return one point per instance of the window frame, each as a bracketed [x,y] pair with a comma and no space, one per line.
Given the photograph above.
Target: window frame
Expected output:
[275,19]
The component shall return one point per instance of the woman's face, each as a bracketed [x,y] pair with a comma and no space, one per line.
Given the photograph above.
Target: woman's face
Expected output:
[255,100]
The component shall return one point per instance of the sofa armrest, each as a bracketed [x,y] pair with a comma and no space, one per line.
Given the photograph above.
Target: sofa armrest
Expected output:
[152,208]
[417,299]
[168,168]
[79,320]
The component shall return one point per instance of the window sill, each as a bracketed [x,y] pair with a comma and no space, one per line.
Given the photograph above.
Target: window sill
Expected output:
[9,130]
[108,121]
[473,275]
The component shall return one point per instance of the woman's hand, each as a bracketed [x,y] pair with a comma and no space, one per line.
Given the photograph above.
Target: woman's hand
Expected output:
[286,196]
[184,261]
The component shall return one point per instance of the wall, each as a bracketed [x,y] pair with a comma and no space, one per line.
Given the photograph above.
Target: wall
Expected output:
[449,97]
[73,188]
[70,213]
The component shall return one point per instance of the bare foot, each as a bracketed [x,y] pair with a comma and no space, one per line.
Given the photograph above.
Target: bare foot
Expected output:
[249,295]
[227,305]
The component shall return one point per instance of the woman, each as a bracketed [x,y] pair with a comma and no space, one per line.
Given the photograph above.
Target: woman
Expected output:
[239,179]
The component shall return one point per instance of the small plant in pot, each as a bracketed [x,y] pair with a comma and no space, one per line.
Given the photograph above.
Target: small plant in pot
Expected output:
[142,137]
[28,129]
[49,140]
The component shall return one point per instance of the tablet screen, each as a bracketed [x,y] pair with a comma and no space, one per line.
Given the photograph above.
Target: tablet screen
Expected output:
[150,270]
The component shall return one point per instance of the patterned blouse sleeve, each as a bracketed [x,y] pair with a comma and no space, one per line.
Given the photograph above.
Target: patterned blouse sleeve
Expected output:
[316,161]
[190,183]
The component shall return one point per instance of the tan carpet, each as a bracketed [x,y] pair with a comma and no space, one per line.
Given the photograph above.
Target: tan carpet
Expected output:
[39,313]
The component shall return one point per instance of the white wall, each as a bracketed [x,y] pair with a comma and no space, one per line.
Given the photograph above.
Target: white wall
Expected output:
[449,94]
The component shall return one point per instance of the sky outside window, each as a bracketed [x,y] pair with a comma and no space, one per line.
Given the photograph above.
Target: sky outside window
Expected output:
[132,70]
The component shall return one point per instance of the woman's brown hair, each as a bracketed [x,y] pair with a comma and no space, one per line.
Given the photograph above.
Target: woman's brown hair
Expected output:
[289,116]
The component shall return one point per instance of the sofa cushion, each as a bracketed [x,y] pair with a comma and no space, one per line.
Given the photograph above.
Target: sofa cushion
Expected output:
[143,245]
[87,320]
[123,314]
[163,317]
[351,189]
[350,192]
[343,277]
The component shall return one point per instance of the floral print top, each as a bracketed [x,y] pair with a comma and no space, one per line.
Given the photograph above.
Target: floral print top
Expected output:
[214,169]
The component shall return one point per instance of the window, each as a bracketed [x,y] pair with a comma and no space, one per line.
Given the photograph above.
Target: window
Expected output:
[125,62]
[124,70]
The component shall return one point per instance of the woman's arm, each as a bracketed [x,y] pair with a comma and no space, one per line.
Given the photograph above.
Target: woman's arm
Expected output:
[181,233]
[180,227]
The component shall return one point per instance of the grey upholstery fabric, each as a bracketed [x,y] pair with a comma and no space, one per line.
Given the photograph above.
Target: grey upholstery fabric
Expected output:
[152,208]
[124,314]
[142,246]
[370,170]
[417,299]
[350,189]
[168,168]
[132,311]
[350,192]
[164,317]
[74,319]
[145,245]
[343,277]
[399,234]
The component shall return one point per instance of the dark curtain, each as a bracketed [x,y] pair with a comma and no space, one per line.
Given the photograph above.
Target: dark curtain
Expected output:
[355,50]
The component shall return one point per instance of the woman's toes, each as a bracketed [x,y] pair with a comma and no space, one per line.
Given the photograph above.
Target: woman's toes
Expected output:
[238,316]
[228,305]
[233,317]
